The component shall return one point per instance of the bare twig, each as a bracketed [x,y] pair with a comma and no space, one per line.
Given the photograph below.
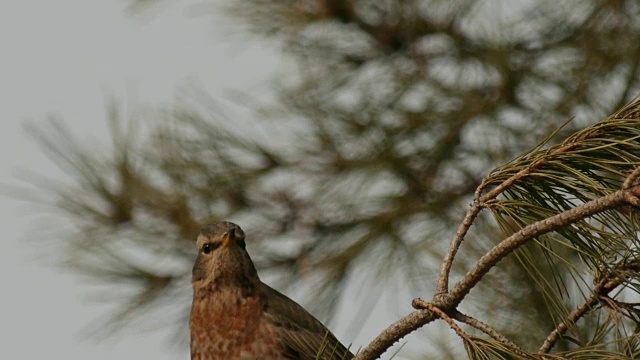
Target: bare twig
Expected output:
[443,278]
[485,328]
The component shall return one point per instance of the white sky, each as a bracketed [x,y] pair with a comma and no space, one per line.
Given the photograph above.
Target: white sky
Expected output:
[63,57]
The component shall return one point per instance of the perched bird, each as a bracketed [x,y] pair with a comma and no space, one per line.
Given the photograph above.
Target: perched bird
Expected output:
[234,315]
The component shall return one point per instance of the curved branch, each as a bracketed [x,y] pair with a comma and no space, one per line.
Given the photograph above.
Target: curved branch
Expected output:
[513,242]
[442,286]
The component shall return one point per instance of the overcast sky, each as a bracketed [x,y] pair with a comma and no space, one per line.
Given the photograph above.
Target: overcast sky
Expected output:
[63,57]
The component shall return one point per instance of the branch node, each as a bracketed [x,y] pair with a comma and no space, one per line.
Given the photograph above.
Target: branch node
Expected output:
[631,179]
[420,304]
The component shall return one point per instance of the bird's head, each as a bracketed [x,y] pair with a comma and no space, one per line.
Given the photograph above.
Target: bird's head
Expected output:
[222,259]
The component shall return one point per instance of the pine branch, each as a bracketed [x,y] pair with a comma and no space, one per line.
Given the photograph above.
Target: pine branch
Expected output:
[451,300]
[608,283]
[508,245]
[448,302]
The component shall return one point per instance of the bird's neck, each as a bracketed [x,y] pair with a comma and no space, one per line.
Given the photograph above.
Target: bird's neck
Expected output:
[231,295]
[223,285]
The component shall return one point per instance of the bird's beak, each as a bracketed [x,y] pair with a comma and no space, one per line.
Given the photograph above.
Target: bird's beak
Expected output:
[227,240]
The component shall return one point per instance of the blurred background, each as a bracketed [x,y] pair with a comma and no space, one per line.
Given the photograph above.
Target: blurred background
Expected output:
[345,137]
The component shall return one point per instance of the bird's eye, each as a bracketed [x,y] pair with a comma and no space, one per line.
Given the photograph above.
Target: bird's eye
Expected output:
[207,248]
[242,244]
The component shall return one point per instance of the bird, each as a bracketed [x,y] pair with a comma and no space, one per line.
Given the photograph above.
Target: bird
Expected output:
[234,315]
